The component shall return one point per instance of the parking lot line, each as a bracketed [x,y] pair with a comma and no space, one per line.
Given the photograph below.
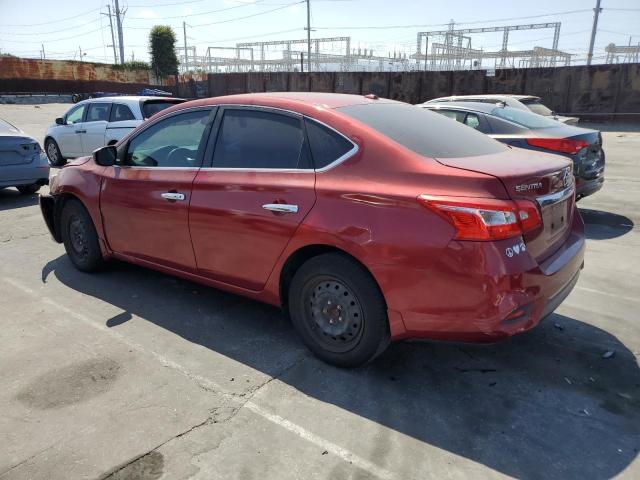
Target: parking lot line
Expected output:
[608,294]
[282,422]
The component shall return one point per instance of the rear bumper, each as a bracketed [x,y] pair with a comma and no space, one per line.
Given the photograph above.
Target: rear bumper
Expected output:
[35,172]
[585,188]
[48,210]
[479,294]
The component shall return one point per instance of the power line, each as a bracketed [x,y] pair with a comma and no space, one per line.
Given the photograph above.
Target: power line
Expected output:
[53,21]
[197,14]
[384,27]
[52,40]
[53,31]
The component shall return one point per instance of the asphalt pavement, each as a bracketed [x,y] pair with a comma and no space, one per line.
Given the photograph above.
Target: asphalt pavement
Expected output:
[132,374]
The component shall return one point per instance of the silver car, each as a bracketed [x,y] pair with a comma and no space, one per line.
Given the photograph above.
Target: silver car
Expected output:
[23,164]
[520,102]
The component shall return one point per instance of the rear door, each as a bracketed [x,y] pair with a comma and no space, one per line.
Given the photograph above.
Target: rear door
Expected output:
[94,126]
[249,202]
[121,121]
[145,199]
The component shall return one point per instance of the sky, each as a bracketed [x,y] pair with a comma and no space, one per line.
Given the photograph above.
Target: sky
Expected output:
[66,26]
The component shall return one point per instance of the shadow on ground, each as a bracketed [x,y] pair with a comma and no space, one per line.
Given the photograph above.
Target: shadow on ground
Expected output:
[601,225]
[542,405]
[11,198]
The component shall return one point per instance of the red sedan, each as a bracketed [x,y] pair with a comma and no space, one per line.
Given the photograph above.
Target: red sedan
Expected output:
[368,220]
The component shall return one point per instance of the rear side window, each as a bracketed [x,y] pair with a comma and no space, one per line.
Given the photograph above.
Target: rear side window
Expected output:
[120,113]
[326,145]
[151,107]
[98,112]
[257,139]
[457,116]
[422,131]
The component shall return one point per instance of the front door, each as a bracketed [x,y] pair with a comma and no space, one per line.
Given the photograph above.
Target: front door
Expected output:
[249,204]
[69,138]
[145,199]
[94,126]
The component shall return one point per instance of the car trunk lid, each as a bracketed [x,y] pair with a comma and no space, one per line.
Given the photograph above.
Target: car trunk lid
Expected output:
[542,178]
[17,150]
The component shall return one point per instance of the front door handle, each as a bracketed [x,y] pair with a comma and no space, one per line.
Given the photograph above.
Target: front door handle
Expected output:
[173,196]
[81,131]
[281,207]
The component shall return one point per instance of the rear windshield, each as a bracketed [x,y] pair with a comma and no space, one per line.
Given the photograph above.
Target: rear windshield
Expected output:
[151,107]
[524,118]
[6,127]
[535,106]
[422,131]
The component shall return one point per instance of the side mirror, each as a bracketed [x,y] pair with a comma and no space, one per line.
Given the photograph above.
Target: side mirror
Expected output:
[60,121]
[106,156]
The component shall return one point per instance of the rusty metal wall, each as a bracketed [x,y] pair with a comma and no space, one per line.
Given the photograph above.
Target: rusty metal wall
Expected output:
[595,89]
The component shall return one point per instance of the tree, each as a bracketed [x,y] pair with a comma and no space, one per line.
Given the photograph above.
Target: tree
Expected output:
[162,46]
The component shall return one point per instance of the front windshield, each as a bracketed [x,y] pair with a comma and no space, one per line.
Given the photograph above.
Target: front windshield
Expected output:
[536,107]
[524,118]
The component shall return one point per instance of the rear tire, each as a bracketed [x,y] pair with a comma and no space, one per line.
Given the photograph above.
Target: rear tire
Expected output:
[53,153]
[28,189]
[338,310]
[80,237]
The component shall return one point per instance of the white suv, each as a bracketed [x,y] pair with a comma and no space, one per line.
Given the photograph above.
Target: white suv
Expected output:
[97,122]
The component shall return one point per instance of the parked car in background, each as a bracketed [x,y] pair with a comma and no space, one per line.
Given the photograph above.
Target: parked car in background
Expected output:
[93,123]
[521,102]
[153,92]
[520,128]
[369,220]
[23,164]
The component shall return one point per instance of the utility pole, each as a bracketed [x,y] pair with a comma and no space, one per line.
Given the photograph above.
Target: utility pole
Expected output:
[80,48]
[596,13]
[186,56]
[309,35]
[113,38]
[43,57]
[119,26]
[301,62]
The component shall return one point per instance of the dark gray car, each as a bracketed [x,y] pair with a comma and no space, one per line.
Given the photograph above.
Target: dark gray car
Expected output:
[23,164]
[524,129]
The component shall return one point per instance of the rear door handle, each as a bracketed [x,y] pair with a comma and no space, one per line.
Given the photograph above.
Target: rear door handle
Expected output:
[172,196]
[81,131]
[281,207]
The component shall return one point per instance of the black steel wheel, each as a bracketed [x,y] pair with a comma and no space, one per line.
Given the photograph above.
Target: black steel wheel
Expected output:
[80,237]
[338,310]
[28,189]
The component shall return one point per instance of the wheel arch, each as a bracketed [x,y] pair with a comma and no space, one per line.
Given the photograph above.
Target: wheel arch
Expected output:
[303,254]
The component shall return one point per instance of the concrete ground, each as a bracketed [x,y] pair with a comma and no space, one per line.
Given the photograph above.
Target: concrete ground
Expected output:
[131,374]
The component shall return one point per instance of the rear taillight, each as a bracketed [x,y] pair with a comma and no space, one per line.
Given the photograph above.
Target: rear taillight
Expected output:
[485,218]
[564,145]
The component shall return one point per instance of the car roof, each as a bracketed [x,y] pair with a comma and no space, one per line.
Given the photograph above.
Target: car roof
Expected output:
[495,96]
[325,100]
[466,106]
[126,99]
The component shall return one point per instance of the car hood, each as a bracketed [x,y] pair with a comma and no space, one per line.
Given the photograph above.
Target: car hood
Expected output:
[78,161]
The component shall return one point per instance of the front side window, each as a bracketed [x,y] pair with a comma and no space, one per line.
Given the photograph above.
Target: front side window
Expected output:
[472,120]
[258,139]
[120,113]
[452,114]
[98,112]
[172,142]
[75,114]
[326,145]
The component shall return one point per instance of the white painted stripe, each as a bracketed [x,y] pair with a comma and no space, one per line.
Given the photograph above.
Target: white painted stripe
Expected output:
[340,452]
[205,382]
[337,450]
[613,295]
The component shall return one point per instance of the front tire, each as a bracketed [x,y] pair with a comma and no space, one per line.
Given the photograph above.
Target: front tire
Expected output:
[80,237]
[338,310]
[28,189]
[53,153]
